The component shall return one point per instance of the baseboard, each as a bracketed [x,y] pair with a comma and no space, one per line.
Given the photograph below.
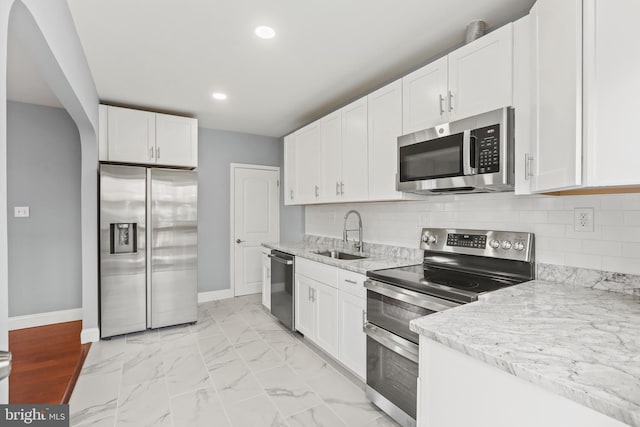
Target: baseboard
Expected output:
[255,288]
[42,319]
[214,295]
[89,335]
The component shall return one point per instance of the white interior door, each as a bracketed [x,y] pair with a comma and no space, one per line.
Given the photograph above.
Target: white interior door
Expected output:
[256,217]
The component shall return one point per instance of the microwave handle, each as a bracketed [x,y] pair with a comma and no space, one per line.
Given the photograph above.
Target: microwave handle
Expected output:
[474,146]
[468,168]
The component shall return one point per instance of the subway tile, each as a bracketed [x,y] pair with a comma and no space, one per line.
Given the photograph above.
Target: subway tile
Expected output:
[632,218]
[560,217]
[621,265]
[583,260]
[603,217]
[621,233]
[593,235]
[550,257]
[536,217]
[548,203]
[602,247]
[630,250]
[573,202]
[564,245]
[551,230]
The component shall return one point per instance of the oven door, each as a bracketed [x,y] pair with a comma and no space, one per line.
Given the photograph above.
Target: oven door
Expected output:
[392,374]
[392,308]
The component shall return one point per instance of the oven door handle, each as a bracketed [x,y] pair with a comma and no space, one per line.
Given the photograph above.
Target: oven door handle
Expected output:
[404,348]
[410,297]
[280,260]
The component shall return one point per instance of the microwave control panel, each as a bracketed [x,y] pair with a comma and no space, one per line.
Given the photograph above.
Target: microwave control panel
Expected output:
[488,147]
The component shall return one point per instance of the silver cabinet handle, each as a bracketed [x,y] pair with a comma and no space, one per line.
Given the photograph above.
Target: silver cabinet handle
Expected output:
[441,103]
[337,188]
[450,101]
[157,153]
[364,318]
[341,188]
[527,166]
[150,153]
[291,194]
[309,296]
[239,241]
[317,191]
[353,282]
[5,364]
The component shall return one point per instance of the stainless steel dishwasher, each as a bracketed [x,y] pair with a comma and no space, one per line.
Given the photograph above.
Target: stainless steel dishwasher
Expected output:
[282,287]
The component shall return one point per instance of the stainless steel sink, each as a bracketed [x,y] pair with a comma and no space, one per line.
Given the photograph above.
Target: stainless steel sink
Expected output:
[340,255]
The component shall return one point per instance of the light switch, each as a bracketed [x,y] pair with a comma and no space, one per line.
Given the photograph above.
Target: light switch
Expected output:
[21,211]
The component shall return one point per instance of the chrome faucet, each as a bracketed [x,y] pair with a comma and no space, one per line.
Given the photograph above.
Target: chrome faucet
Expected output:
[358,245]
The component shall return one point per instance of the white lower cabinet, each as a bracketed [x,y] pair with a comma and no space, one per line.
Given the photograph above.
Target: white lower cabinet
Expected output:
[266,279]
[330,311]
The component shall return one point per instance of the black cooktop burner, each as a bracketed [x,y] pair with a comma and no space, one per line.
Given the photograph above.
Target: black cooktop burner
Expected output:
[445,283]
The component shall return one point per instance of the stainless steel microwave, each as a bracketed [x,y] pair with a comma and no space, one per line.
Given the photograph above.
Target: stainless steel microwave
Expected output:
[466,156]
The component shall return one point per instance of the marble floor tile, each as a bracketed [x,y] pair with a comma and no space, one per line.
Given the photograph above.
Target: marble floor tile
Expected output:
[382,421]
[238,332]
[206,326]
[199,408]
[174,332]
[145,337]
[345,399]
[108,421]
[255,412]
[258,355]
[234,381]
[305,362]
[94,398]
[185,371]
[318,416]
[287,391]
[144,405]
[216,349]
[143,363]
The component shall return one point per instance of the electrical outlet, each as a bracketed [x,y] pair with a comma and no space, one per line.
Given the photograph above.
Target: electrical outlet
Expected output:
[583,219]
[21,211]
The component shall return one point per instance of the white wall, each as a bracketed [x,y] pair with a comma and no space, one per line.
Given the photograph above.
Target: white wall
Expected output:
[613,246]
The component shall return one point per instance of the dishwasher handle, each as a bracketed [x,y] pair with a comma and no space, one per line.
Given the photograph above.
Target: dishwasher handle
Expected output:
[281,260]
[5,364]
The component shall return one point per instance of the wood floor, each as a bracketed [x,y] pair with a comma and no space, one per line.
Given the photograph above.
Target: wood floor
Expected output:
[46,363]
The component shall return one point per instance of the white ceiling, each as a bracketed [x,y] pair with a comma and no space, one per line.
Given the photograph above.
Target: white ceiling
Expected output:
[170,55]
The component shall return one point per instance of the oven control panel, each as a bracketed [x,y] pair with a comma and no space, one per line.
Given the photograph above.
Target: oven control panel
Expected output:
[512,245]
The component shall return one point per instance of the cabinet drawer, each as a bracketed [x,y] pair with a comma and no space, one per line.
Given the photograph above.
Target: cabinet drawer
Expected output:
[352,283]
[317,271]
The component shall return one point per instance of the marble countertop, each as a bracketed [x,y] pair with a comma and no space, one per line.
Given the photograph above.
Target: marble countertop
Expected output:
[374,261]
[581,343]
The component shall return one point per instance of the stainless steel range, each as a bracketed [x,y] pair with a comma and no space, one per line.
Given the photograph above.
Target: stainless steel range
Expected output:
[458,266]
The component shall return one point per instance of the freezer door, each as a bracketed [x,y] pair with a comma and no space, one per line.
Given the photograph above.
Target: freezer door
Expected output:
[174,247]
[122,250]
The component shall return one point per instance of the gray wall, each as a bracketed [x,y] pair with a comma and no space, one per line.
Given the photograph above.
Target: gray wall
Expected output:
[43,157]
[216,151]
[291,217]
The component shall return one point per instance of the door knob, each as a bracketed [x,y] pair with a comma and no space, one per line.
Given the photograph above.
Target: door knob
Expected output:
[239,241]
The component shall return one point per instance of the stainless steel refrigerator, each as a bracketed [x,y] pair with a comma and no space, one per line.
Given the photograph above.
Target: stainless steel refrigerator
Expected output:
[148,248]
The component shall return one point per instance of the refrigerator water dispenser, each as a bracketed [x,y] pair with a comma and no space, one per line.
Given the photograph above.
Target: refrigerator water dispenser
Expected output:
[124,238]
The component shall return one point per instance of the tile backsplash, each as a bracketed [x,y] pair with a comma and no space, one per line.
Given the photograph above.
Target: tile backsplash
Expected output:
[613,245]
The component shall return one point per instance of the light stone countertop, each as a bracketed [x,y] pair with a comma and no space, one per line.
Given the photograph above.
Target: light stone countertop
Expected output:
[375,261]
[581,343]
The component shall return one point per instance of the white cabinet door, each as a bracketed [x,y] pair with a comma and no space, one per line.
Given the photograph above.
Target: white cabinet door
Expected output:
[305,308]
[131,135]
[326,301]
[331,136]
[290,191]
[354,184]
[176,140]
[385,126]
[353,340]
[522,103]
[556,94]
[424,92]
[266,280]
[612,92]
[480,75]
[308,165]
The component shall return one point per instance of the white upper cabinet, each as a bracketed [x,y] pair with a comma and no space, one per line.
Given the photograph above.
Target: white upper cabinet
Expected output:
[135,136]
[522,103]
[308,154]
[612,93]
[331,142]
[131,135]
[354,183]
[385,126]
[480,75]
[424,93]
[176,140]
[290,189]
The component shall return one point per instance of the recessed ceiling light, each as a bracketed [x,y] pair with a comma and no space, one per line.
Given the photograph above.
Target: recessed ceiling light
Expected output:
[265,32]
[219,96]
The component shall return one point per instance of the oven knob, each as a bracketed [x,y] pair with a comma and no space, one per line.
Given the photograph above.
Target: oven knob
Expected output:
[506,245]
[494,244]
[518,245]
[429,240]
[425,238]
